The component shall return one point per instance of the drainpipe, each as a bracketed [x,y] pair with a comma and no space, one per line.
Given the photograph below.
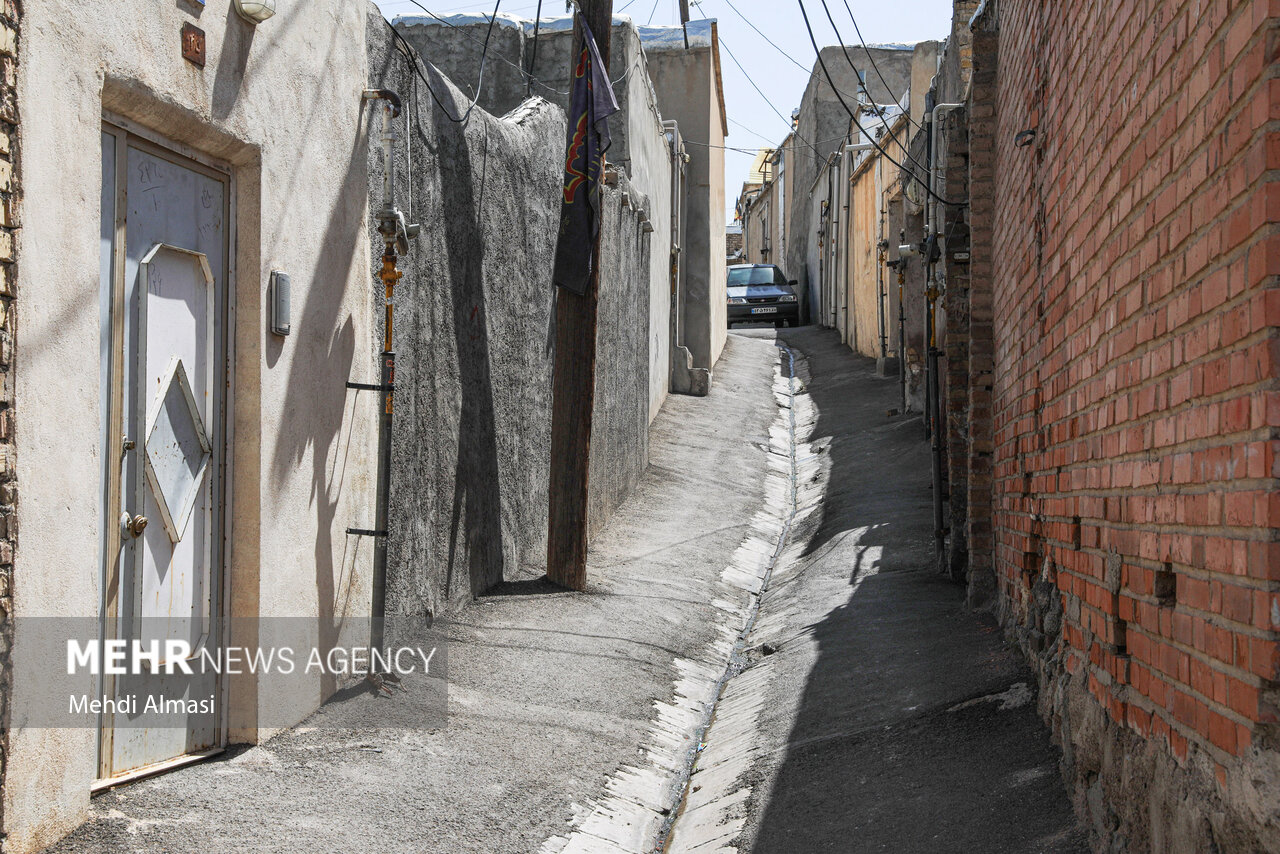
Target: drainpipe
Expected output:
[902,332]
[396,234]
[882,251]
[935,168]
[905,251]
[839,244]
[833,237]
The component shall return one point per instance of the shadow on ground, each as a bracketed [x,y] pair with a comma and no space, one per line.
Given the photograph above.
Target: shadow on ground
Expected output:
[872,753]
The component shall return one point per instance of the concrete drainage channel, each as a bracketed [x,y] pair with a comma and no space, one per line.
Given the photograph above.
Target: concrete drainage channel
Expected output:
[686,796]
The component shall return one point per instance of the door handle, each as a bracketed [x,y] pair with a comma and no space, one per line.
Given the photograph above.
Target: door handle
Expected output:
[133,525]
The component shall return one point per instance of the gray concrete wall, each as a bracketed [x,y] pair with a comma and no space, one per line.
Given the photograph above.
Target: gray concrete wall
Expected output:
[687,93]
[822,124]
[620,437]
[641,150]
[455,50]
[474,339]
[638,147]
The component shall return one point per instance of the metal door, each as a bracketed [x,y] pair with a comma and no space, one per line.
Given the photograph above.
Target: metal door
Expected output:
[165,255]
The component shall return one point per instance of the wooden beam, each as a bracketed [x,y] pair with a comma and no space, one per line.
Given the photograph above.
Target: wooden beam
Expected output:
[574,383]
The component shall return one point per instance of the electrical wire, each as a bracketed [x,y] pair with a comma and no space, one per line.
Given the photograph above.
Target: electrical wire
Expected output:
[499,57]
[533,60]
[788,56]
[413,60]
[752,151]
[872,59]
[524,71]
[771,147]
[734,121]
[826,73]
[786,120]
[651,12]
[407,51]
[862,83]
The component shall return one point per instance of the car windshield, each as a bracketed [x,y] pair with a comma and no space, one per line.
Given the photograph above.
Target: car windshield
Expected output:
[740,276]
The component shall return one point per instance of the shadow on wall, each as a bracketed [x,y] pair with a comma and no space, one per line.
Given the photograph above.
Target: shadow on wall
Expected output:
[620,415]
[315,410]
[477,506]
[471,435]
[472,430]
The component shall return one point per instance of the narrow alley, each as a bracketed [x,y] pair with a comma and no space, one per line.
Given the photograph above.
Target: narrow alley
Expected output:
[879,709]
[625,427]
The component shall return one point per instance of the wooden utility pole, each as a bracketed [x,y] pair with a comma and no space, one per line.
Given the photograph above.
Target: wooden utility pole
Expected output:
[574,385]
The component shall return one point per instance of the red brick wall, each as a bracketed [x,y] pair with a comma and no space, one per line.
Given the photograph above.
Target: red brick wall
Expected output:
[1136,406]
[979,315]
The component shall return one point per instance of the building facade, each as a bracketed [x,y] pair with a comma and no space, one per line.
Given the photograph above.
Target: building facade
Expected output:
[184,174]
[202,269]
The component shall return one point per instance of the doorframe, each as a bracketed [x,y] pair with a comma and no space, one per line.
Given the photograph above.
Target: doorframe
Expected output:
[129,133]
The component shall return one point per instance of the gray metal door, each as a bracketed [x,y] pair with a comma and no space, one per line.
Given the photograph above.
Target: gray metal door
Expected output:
[166,379]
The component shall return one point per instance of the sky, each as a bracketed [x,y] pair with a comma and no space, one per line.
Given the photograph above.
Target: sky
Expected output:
[753,123]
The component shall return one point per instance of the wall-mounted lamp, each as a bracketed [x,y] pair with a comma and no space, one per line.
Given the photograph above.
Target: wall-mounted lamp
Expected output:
[255,11]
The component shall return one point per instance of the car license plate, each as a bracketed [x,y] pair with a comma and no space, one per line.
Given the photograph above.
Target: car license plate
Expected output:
[765,309]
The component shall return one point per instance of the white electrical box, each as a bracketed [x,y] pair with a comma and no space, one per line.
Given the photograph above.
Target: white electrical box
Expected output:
[278,295]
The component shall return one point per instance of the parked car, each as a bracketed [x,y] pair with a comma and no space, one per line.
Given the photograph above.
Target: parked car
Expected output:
[760,293]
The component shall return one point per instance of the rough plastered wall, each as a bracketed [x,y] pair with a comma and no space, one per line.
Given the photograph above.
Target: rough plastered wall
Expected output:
[717,294]
[647,163]
[620,434]
[280,106]
[639,144]
[10,199]
[641,150]
[454,44]
[1136,405]
[474,341]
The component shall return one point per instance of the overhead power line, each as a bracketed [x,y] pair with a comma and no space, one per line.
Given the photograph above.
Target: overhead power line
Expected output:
[772,44]
[859,73]
[537,22]
[786,120]
[826,73]
[749,130]
[412,56]
[771,147]
[872,60]
[528,72]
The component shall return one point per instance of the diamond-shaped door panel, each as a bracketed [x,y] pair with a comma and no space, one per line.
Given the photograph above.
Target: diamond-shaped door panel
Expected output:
[178,450]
